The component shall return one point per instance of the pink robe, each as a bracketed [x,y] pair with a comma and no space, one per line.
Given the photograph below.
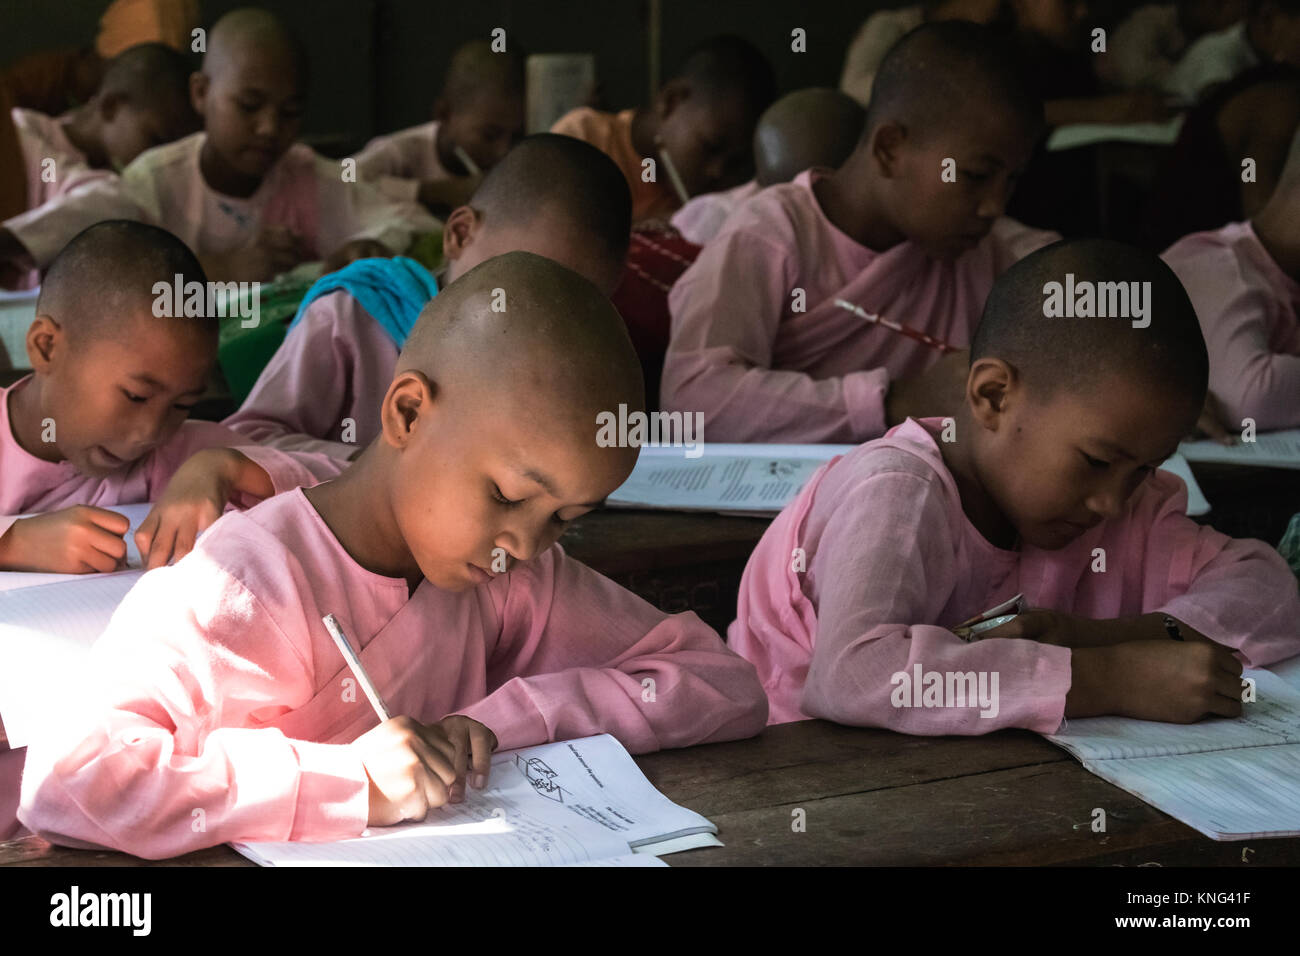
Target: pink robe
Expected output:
[336,363]
[892,563]
[762,372]
[42,138]
[217,688]
[303,192]
[398,162]
[31,484]
[1248,311]
[701,218]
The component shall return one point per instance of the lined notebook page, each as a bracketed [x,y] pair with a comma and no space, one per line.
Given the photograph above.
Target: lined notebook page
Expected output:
[11,580]
[1227,794]
[556,804]
[1273,718]
[45,634]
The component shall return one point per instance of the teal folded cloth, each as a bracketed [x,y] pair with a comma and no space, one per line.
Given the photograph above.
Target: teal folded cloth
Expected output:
[392,290]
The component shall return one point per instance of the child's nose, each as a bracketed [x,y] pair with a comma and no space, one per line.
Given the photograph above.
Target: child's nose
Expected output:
[267,122]
[994,202]
[1107,502]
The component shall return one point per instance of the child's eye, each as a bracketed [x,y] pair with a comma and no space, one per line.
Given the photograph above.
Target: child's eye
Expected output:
[247,106]
[1094,462]
[132,397]
[974,176]
[502,499]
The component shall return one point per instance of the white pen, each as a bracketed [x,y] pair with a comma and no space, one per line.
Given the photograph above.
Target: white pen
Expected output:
[467,161]
[354,662]
[679,187]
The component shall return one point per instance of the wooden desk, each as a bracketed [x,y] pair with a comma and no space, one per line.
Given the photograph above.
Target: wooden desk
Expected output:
[874,797]
[676,561]
[1249,502]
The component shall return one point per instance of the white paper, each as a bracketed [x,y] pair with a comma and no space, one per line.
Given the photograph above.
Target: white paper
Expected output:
[1230,778]
[552,805]
[631,859]
[1280,449]
[1074,135]
[12,580]
[753,478]
[1196,503]
[45,634]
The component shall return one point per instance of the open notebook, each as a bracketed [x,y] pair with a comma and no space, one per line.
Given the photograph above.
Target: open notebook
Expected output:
[1279,449]
[760,479]
[1231,779]
[578,802]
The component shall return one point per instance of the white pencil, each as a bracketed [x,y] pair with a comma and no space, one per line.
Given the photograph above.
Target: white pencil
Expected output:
[354,662]
[678,186]
[467,161]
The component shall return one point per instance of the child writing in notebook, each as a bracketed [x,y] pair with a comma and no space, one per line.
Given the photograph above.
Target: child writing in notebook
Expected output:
[478,116]
[1043,483]
[1244,281]
[142,101]
[242,194]
[436,551]
[698,131]
[552,195]
[910,228]
[101,420]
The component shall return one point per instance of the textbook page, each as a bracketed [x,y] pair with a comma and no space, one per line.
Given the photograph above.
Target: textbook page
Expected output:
[10,580]
[1280,449]
[45,634]
[570,802]
[1074,135]
[1196,504]
[749,478]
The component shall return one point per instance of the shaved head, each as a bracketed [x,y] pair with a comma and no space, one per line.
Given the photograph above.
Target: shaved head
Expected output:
[475,69]
[151,76]
[818,126]
[104,279]
[949,69]
[1078,354]
[557,339]
[250,31]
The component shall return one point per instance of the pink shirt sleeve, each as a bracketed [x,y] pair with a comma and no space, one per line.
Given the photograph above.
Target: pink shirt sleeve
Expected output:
[1246,375]
[886,561]
[381,163]
[579,655]
[286,469]
[336,363]
[726,309]
[1236,591]
[188,662]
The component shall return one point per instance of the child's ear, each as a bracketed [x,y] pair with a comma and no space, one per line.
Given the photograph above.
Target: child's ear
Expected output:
[990,386]
[45,340]
[441,109]
[459,231]
[886,145]
[199,84]
[108,105]
[410,396]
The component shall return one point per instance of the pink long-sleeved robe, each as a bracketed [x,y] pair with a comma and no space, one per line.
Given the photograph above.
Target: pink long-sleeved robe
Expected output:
[302,192]
[1247,307]
[336,364]
[398,162]
[762,372]
[892,563]
[217,687]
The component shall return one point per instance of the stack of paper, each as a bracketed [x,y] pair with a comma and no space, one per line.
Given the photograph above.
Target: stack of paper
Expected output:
[1279,449]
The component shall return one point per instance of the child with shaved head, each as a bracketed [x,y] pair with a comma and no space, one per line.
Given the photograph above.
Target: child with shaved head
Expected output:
[910,227]
[242,194]
[1244,280]
[699,127]
[437,553]
[479,114]
[101,420]
[812,127]
[142,101]
[1043,483]
[552,195]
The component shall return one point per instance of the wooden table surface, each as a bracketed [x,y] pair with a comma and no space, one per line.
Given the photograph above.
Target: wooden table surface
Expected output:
[875,797]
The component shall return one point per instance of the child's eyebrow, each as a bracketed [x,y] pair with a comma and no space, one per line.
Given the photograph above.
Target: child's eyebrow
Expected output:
[549,486]
[154,383]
